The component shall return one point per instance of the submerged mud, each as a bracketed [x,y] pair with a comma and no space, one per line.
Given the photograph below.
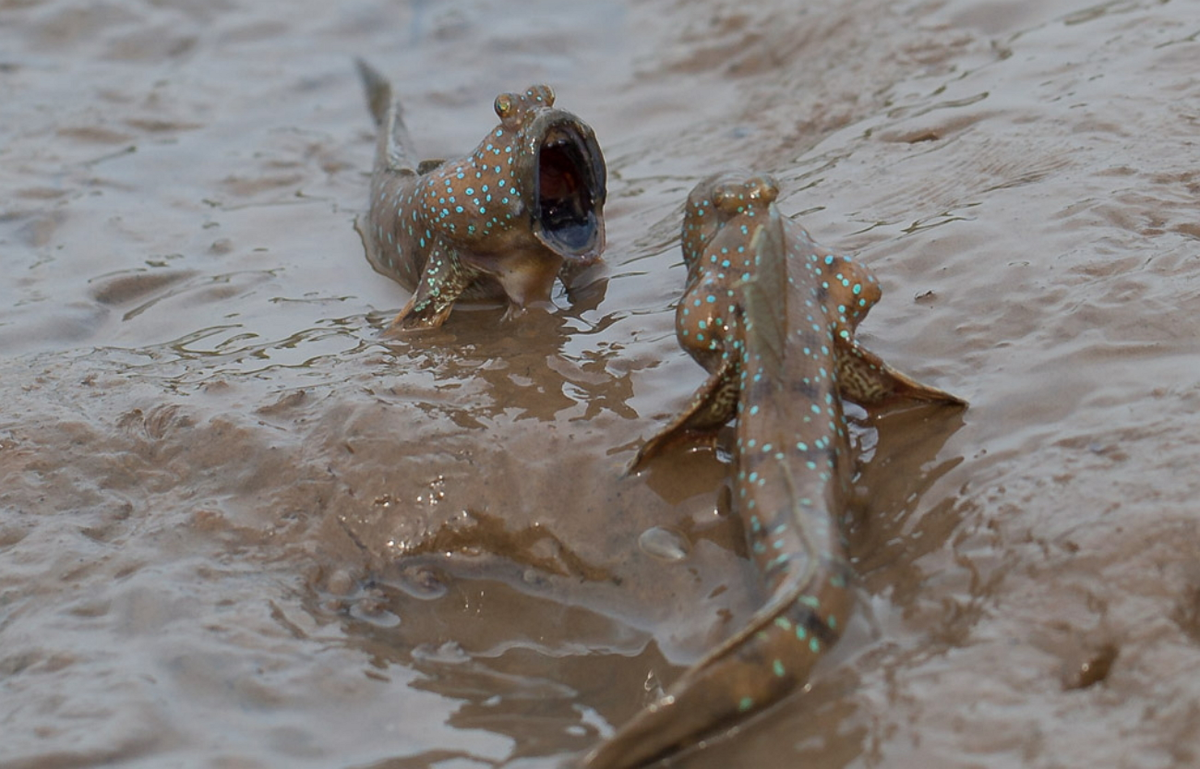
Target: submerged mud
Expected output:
[239,528]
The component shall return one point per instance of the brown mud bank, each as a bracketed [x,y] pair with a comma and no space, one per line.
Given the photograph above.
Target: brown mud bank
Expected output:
[238,528]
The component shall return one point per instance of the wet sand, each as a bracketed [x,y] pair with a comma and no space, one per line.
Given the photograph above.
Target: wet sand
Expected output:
[240,529]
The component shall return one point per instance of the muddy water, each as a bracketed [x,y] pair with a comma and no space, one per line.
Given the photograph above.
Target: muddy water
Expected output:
[238,529]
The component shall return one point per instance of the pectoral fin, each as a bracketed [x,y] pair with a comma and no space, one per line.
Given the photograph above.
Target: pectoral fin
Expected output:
[864,378]
[442,281]
[714,404]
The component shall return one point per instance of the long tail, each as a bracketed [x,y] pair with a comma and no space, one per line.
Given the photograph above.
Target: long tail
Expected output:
[772,655]
[394,150]
[768,660]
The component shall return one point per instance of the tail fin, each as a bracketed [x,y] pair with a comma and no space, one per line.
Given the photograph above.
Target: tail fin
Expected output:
[864,378]
[379,90]
[394,150]
[760,665]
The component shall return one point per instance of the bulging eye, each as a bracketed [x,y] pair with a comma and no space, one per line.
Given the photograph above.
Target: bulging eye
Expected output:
[762,189]
[504,105]
[728,198]
[542,93]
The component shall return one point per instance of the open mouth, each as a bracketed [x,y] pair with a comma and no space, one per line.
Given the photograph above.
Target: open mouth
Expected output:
[569,190]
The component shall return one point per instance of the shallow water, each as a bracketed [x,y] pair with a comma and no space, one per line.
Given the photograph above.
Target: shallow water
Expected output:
[239,529]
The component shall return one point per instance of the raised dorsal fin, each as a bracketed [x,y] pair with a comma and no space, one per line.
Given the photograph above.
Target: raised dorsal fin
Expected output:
[765,297]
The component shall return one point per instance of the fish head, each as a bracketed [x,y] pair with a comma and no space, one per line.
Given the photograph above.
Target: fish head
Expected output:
[723,214]
[554,165]
[718,200]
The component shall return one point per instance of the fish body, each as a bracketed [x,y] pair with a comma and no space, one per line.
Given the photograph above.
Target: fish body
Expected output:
[525,207]
[771,316]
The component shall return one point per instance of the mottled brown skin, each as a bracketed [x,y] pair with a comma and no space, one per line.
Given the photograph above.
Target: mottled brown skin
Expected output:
[771,315]
[500,224]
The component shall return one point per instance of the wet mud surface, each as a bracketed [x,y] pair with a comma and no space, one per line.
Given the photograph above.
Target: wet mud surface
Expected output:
[238,528]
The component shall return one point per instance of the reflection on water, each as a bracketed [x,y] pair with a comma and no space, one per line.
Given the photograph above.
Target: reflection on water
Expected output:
[240,528]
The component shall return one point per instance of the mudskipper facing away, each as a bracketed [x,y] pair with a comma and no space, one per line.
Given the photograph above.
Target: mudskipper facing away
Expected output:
[501,223]
[771,315]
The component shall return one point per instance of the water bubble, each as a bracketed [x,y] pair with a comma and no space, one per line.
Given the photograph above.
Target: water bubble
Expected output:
[371,610]
[421,582]
[663,544]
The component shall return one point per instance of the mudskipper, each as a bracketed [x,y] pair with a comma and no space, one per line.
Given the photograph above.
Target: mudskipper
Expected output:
[771,315]
[524,207]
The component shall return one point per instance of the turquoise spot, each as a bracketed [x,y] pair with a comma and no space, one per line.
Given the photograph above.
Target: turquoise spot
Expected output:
[746,704]
[778,667]
[814,645]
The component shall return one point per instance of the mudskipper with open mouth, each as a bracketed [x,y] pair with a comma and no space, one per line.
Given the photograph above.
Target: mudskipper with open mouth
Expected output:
[524,207]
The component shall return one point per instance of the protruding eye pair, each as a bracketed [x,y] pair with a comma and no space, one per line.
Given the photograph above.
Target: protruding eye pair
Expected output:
[732,197]
[507,104]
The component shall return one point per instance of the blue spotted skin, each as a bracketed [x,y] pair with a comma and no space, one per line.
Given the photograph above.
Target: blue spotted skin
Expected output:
[502,223]
[771,315]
